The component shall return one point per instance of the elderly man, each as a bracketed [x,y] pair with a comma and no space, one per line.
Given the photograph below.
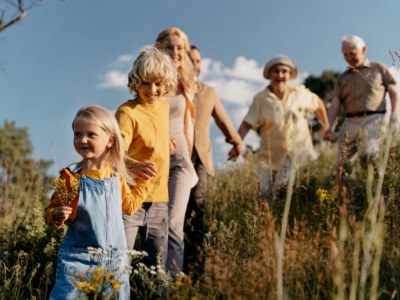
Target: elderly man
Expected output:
[361,89]
[206,104]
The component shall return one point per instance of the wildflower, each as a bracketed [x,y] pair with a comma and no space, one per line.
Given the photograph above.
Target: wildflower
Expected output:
[115,284]
[322,194]
[81,285]
[66,194]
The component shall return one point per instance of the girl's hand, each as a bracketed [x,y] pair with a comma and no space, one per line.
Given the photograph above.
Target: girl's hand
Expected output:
[61,213]
[145,169]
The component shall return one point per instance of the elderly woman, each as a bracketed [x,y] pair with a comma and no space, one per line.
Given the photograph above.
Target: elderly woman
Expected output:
[280,114]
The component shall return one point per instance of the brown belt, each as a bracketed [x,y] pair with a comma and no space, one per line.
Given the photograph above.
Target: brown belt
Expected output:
[365,113]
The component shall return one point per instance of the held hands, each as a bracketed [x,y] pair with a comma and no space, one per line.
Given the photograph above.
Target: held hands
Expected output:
[145,169]
[235,151]
[329,136]
[61,213]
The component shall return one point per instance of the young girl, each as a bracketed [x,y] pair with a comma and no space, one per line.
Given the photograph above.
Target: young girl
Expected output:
[90,197]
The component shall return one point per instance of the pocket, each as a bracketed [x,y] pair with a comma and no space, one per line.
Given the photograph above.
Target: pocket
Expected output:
[159,213]
[75,261]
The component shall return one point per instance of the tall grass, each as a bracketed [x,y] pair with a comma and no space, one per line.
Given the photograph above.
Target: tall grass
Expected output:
[324,249]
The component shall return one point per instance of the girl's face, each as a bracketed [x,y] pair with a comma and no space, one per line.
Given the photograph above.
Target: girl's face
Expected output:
[91,142]
[280,76]
[174,47]
[149,91]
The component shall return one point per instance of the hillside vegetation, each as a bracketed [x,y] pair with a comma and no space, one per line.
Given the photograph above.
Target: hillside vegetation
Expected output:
[341,240]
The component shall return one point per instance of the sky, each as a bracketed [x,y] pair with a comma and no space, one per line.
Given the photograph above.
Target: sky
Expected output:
[68,54]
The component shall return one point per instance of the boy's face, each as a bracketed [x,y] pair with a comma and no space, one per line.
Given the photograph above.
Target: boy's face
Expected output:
[149,90]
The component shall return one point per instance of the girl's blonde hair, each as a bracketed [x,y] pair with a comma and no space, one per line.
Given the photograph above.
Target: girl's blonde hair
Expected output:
[186,73]
[105,120]
[152,63]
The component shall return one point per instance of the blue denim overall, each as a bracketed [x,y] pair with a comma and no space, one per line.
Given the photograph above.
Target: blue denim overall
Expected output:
[98,224]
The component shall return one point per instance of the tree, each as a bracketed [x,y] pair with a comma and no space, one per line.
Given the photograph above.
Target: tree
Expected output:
[21,177]
[322,85]
[14,11]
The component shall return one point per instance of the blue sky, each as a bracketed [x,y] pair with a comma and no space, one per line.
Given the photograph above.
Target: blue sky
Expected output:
[68,54]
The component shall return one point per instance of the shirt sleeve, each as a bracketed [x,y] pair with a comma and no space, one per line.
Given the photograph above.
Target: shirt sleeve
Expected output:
[252,116]
[223,122]
[126,125]
[387,76]
[132,197]
[336,89]
[312,101]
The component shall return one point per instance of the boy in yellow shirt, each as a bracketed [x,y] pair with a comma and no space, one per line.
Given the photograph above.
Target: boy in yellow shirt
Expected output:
[144,127]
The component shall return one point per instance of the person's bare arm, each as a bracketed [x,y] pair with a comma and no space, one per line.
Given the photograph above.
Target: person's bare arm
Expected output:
[333,112]
[322,116]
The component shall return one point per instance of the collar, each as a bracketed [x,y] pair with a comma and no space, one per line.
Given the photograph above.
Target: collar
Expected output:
[365,64]
[269,92]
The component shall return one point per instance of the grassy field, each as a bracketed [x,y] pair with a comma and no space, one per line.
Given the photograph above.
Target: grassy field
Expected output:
[339,241]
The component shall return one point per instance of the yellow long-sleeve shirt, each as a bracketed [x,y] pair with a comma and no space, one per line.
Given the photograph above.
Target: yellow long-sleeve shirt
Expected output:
[130,201]
[145,131]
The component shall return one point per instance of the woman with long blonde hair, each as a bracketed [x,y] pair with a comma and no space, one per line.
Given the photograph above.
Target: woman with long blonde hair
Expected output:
[182,176]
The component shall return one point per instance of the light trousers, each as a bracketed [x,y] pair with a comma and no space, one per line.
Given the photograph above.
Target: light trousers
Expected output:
[182,178]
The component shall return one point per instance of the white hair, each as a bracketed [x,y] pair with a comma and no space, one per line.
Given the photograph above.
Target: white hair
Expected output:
[353,40]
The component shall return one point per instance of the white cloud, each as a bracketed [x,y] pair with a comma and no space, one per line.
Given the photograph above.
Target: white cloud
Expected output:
[237,84]
[114,79]
[238,114]
[233,90]
[246,69]
[117,76]
[127,58]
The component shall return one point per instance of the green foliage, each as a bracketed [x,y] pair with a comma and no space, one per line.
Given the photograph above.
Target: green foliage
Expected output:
[21,177]
[322,85]
[325,246]
[29,255]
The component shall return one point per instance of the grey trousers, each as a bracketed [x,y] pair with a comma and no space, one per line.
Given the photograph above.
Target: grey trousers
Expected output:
[152,222]
[182,178]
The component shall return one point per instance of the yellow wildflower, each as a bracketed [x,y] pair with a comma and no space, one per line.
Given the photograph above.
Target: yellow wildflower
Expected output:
[81,285]
[66,191]
[115,284]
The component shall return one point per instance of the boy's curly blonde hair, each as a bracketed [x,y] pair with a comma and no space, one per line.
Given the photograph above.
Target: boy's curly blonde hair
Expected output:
[186,73]
[152,63]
